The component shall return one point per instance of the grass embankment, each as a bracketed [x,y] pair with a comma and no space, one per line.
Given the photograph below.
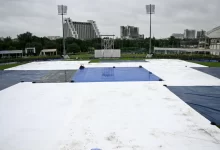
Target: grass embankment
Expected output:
[82,56]
[6,66]
[93,60]
[209,64]
[125,59]
[29,59]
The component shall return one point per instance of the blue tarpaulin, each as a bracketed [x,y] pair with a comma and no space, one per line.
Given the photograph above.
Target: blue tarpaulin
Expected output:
[111,74]
[204,99]
[213,71]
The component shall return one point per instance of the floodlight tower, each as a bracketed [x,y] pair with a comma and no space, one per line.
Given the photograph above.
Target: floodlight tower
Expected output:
[150,10]
[62,10]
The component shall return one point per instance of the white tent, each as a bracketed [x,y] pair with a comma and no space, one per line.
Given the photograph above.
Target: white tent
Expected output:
[49,52]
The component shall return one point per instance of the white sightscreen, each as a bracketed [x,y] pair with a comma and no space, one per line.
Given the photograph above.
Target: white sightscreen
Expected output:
[116,53]
[98,54]
[107,53]
[110,53]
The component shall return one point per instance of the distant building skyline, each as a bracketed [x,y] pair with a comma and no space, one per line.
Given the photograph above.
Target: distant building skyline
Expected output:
[129,32]
[201,34]
[189,34]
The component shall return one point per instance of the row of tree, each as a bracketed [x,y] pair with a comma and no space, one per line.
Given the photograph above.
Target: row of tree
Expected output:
[75,45]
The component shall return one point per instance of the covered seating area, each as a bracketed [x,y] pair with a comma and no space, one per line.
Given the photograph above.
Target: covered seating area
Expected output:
[11,53]
[48,52]
[160,50]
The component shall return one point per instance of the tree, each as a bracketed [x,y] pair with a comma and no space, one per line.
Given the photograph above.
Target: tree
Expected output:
[59,46]
[36,39]
[6,43]
[24,38]
[73,48]
[11,48]
[91,49]
[8,39]
[50,45]
[69,40]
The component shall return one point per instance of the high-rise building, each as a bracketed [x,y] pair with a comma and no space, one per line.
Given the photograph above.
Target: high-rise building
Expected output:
[178,35]
[81,30]
[201,34]
[123,31]
[129,32]
[189,34]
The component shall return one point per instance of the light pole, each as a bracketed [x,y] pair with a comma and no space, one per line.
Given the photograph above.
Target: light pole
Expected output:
[150,10]
[62,10]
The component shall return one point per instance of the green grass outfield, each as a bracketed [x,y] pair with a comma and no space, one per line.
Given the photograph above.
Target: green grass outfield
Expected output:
[6,66]
[126,59]
[209,64]
[92,60]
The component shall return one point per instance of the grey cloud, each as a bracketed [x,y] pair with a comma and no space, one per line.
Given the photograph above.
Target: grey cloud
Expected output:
[40,16]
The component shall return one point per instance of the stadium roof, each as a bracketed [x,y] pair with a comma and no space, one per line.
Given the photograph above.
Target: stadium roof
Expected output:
[214,33]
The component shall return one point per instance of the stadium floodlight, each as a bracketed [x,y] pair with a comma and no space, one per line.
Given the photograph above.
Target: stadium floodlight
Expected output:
[62,10]
[150,10]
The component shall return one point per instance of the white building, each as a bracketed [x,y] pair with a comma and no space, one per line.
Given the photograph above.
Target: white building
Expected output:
[214,36]
[81,30]
[53,37]
[30,51]
[189,34]
[141,36]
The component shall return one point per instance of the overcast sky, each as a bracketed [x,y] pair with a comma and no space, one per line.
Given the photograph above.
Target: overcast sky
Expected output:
[172,16]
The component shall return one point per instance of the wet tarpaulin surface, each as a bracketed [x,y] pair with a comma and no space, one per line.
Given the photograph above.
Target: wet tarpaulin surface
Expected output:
[204,99]
[11,77]
[213,71]
[115,61]
[57,76]
[110,74]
